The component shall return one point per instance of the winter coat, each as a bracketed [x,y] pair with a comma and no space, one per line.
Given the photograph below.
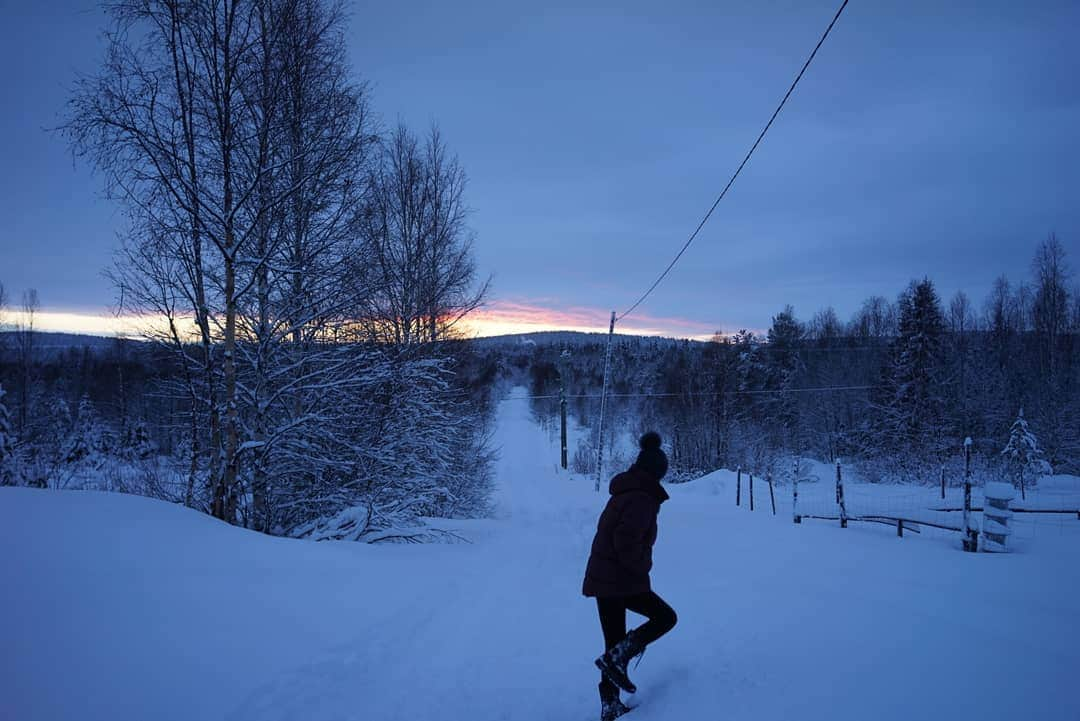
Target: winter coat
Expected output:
[621,556]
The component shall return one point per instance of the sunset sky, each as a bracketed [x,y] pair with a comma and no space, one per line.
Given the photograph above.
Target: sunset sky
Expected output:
[928,138]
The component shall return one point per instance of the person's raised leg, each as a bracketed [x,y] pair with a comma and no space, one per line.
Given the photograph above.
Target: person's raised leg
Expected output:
[661,617]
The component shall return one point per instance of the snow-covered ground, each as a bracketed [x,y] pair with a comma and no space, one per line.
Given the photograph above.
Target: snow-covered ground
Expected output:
[118,607]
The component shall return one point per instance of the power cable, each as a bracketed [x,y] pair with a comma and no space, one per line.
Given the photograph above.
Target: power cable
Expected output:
[822,389]
[738,170]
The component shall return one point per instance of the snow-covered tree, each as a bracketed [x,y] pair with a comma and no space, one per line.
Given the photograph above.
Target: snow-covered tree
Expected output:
[7,444]
[87,437]
[135,443]
[1023,453]
[913,408]
[784,365]
[402,446]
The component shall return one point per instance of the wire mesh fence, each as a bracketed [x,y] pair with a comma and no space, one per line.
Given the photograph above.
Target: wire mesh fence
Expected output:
[1049,509]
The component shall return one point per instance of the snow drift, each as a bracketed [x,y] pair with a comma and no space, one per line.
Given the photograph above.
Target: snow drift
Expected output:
[118,607]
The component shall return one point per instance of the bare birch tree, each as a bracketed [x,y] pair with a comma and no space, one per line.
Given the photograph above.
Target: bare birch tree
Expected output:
[417,235]
[182,121]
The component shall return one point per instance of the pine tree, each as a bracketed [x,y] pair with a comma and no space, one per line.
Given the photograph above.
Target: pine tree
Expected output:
[785,339]
[916,409]
[7,444]
[1023,453]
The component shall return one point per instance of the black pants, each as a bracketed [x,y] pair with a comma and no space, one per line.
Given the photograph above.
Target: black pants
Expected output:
[613,622]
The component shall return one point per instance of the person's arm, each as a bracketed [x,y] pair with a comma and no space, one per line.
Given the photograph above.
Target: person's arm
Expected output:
[630,532]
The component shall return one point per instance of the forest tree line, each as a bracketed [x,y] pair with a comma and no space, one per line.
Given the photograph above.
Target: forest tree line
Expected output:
[895,390]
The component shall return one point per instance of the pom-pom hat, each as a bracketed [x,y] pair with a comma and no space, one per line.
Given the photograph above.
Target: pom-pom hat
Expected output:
[652,458]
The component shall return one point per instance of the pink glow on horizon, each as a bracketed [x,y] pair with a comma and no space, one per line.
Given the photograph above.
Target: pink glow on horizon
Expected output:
[500,317]
[504,317]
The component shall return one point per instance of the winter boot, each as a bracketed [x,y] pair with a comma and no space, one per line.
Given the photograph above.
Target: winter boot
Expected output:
[611,707]
[613,662]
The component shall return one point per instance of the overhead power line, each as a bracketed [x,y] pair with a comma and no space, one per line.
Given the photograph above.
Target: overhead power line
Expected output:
[821,389]
[738,170]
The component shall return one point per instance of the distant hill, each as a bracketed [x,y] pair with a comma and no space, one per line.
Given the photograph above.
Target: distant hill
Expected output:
[565,337]
[48,344]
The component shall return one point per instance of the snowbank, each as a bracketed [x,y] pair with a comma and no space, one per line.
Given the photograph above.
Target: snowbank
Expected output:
[118,607]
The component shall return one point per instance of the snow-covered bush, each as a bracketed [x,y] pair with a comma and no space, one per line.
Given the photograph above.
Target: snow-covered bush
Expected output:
[584,459]
[135,442]
[398,445]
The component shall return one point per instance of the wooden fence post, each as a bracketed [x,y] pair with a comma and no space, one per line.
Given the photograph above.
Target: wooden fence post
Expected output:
[943,481]
[795,495]
[738,486]
[751,491]
[840,496]
[971,537]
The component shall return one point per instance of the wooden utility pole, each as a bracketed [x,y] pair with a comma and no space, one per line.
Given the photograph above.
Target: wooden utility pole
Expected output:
[562,419]
[603,401]
[563,357]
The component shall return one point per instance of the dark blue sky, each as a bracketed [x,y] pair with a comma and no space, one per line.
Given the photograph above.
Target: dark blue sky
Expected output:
[928,138]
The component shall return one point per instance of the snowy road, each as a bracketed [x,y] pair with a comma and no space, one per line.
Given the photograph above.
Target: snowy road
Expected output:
[124,608]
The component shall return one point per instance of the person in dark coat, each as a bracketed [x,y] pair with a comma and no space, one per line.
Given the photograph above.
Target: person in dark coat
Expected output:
[617,574]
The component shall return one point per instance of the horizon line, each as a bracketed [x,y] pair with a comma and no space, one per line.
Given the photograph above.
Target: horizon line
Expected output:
[496,319]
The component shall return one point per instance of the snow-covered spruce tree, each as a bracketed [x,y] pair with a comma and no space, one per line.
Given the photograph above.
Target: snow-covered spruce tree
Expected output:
[783,367]
[910,428]
[7,444]
[1022,454]
[87,438]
